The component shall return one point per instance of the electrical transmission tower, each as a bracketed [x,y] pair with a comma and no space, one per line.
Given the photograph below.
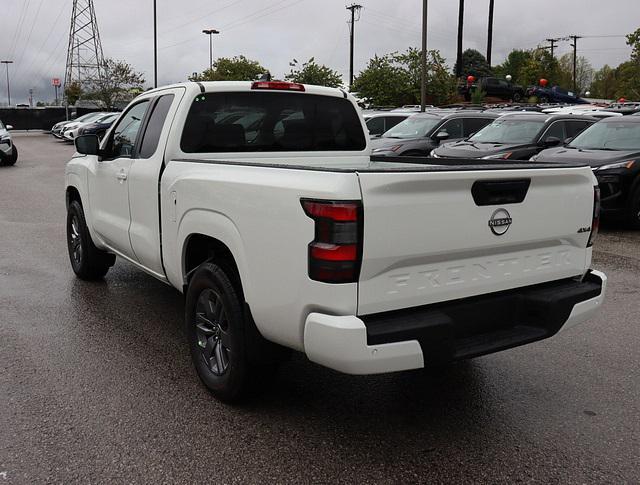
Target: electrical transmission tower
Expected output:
[84,54]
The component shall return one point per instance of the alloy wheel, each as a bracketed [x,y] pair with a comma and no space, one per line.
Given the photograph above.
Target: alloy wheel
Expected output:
[212,331]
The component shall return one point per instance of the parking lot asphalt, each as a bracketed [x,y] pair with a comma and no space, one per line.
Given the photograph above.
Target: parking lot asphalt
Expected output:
[96,384]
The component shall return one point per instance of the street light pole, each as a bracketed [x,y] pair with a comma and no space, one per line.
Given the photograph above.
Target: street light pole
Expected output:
[210,33]
[423,60]
[155,45]
[8,86]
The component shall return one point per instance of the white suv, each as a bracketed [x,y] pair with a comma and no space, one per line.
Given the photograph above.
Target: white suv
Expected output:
[8,151]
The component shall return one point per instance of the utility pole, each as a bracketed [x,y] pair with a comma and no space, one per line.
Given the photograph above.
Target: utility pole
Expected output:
[490,32]
[354,8]
[552,44]
[575,60]
[8,86]
[460,26]
[210,33]
[423,61]
[155,45]
[31,98]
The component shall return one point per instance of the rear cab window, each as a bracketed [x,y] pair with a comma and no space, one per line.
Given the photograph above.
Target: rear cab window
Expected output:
[271,122]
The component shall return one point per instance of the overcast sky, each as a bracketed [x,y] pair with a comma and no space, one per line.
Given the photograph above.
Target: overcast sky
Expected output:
[275,31]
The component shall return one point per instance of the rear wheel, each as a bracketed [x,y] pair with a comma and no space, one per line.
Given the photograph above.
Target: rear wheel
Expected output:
[517,97]
[218,330]
[88,262]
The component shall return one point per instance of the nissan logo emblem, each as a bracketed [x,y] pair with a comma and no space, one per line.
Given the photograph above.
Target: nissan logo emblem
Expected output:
[500,222]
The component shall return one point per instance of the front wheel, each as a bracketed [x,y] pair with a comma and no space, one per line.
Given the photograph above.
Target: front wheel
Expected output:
[87,261]
[517,97]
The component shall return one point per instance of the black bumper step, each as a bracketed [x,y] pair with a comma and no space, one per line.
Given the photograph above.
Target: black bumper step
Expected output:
[480,325]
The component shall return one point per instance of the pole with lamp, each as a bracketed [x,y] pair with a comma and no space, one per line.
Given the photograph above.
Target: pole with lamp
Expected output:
[8,86]
[210,33]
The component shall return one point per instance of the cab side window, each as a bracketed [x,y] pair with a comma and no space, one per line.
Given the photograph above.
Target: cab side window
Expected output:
[158,116]
[473,125]
[376,125]
[575,127]
[125,134]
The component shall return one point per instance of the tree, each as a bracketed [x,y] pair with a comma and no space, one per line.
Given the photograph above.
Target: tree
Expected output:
[118,84]
[514,65]
[312,73]
[633,40]
[584,72]
[238,68]
[395,79]
[541,64]
[605,83]
[474,64]
[73,92]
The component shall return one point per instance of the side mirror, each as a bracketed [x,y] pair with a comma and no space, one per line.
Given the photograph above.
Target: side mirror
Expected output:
[88,144]
[441,136]
[552,141]
[9,127]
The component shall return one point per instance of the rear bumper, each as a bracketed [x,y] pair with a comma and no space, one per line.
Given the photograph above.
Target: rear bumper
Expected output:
[470,327]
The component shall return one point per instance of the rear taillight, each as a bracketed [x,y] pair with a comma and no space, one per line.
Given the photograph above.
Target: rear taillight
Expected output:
[335,254]
[595,221]
[277,85]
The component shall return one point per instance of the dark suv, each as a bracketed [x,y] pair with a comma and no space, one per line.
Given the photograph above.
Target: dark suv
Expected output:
[496,88]
[612,148]
[517,136]
[422,132]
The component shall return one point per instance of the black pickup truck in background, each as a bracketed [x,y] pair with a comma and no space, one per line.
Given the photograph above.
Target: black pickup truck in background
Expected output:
[494,87]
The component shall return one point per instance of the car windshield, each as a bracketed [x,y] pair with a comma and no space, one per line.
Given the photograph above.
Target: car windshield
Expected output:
[618,135]
[509,131]
[412,127]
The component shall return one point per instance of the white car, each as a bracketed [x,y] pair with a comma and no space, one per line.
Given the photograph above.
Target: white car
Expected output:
[261,203]
[70,131]
[8,151]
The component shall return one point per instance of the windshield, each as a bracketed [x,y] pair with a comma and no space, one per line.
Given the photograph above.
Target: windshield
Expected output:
[412,127]
[509,131]
[609,136]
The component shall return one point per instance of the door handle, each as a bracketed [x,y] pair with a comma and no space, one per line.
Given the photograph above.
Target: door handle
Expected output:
[122,175]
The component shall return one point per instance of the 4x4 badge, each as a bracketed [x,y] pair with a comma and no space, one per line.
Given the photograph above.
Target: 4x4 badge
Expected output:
[500,222]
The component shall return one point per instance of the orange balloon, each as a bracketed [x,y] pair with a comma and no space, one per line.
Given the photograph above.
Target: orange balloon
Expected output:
[621,100]
[543,82]
[471,79]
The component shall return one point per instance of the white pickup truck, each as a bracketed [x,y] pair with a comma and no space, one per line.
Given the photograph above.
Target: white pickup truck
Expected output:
[261,203]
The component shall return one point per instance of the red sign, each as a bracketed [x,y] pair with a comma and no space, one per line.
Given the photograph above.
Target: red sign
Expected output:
[55,81]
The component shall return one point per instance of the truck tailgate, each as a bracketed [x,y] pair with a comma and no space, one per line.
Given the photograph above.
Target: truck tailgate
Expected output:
[428,238]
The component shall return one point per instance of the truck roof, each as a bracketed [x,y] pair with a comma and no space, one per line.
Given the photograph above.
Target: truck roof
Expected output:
[222,86]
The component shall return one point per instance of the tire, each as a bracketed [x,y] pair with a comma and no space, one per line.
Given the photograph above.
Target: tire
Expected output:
[517,97]
[633,216]
[87,261]
[14,156]
[217,331]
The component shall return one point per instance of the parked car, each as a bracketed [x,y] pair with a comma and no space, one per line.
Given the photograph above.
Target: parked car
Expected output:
[289,237]
[612,148]
[8,151]
[555,94]
[582,109]
[420,133]
[88,118]
[380,121]
[495,87]
[71,131]
[516,136]
[57,129]
[98,127]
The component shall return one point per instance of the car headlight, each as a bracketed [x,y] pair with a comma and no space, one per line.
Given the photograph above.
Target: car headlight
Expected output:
[498,156]
[628,165]
[433,154]
[5,139]
[393,148]
[534,158]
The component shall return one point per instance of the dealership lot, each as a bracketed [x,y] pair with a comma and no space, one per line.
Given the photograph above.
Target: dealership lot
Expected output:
[97,384]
